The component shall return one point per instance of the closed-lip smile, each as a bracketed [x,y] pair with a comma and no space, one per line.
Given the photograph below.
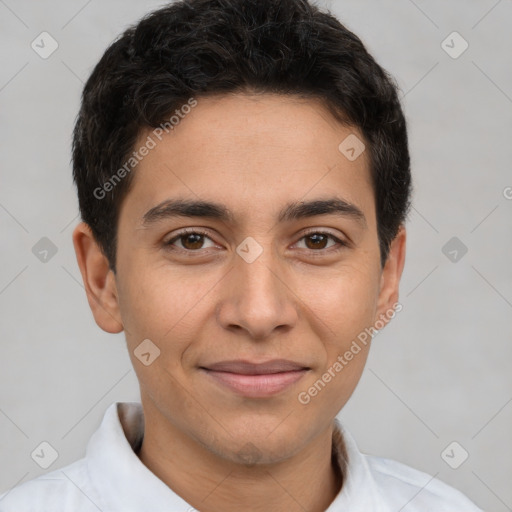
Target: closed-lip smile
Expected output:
[256,380]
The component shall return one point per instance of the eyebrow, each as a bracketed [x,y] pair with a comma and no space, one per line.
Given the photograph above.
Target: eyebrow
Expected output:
[293,211]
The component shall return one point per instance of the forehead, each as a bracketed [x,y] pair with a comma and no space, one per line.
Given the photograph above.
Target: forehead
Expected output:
[253,153]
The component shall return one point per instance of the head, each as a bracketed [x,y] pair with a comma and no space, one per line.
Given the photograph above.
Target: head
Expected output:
[267,132]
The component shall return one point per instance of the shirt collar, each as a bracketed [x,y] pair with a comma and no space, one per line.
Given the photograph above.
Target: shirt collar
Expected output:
[125,483]
[359,492]
[122,480]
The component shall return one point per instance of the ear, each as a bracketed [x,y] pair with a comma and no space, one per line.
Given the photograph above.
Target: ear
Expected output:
[390,277]
[98,278]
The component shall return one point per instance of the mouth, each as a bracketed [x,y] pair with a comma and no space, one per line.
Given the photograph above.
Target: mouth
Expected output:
[256,380]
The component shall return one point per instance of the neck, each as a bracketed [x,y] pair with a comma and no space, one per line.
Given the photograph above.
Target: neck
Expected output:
[309,480]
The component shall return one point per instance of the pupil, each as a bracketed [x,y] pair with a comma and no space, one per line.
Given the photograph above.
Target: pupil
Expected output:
[193,241]
[318,241]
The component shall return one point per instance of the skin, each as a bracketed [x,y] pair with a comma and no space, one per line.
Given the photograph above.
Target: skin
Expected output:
[298,301]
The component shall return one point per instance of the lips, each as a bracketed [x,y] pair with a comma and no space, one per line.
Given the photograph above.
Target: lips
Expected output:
[256,380]
[249,368]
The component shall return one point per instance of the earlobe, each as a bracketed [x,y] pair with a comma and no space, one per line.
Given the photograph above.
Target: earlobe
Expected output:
[98,279]
[390,277]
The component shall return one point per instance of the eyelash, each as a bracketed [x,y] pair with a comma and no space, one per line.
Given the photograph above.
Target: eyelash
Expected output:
[197,231]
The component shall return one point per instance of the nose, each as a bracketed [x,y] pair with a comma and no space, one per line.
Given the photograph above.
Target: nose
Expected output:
[257,297]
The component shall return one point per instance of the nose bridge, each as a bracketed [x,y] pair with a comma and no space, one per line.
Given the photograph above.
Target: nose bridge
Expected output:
[259,277]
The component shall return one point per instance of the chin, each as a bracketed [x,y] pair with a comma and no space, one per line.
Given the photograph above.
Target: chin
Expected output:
[258,442]
[257,452]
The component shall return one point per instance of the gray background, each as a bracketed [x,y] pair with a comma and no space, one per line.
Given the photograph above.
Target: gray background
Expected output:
[440,372]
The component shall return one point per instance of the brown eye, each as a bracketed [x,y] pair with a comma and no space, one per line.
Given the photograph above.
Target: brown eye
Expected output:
[190,240]
[316,241]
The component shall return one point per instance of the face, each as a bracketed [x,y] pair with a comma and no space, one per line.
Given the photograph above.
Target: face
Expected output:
[252,299]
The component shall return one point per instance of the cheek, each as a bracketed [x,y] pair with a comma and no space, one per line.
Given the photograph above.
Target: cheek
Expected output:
[346,301]
[156,299]
[153,308]
[170,310]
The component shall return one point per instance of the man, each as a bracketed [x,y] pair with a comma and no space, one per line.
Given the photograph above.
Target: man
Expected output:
[243,179]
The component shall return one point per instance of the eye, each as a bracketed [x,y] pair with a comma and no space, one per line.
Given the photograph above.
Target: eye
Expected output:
[318,240]
[194,239]
[190,240]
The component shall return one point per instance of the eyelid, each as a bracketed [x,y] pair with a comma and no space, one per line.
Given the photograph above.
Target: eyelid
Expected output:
[322,231]
[186,231]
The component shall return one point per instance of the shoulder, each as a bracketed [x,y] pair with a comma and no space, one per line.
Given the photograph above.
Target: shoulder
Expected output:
[63,489]
[412,490]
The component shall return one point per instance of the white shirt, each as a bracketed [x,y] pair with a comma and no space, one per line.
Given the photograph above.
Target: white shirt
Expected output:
[111,478]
